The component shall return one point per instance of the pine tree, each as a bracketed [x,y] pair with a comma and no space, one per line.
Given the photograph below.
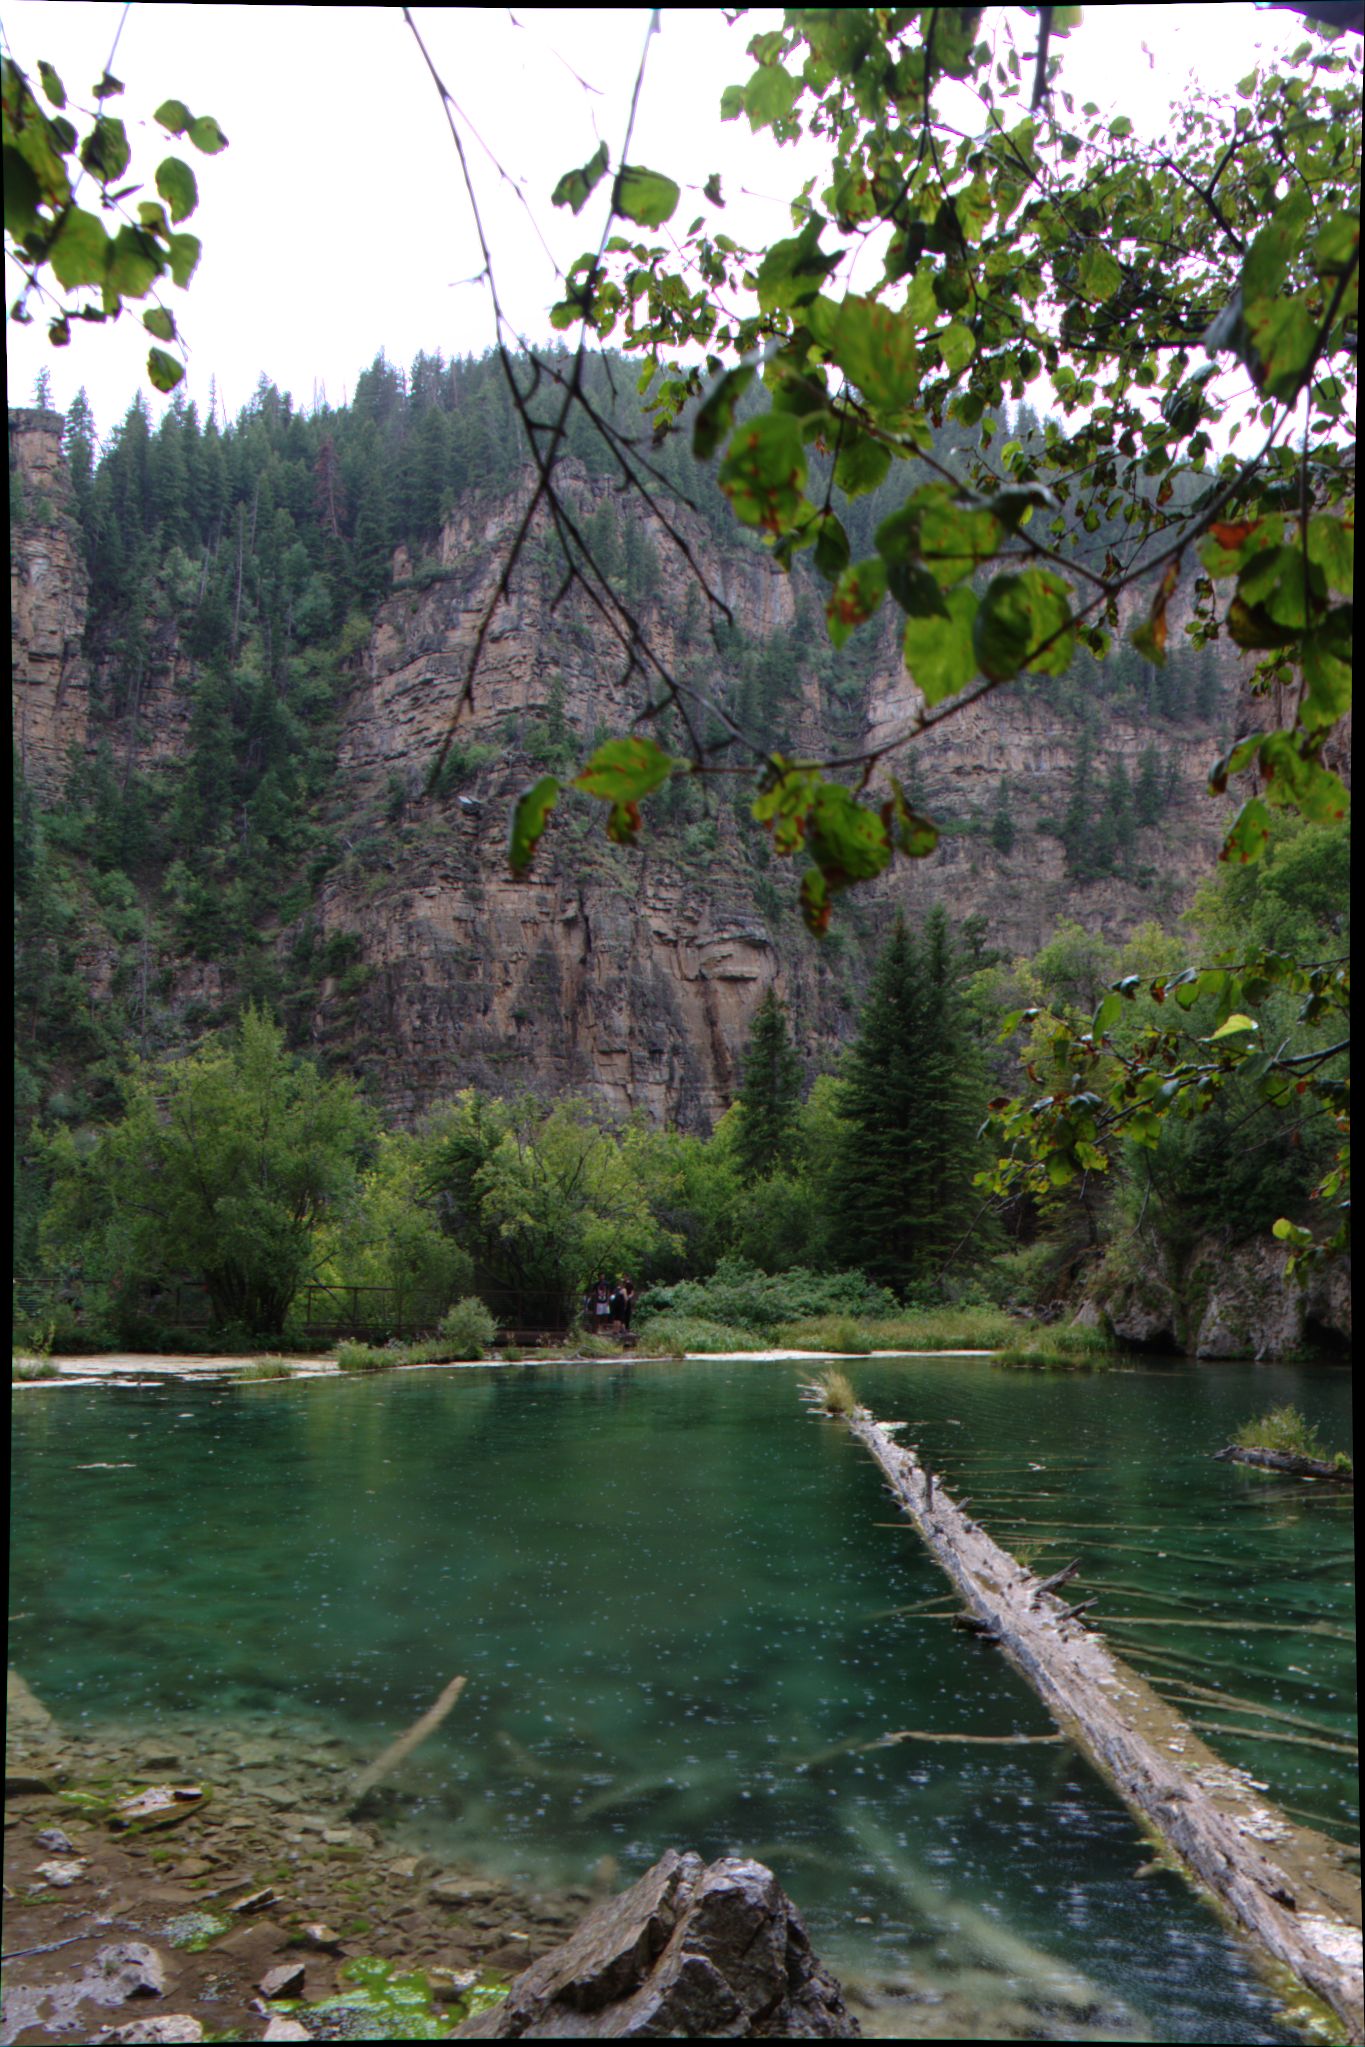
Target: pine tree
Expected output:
[915,1092]
[769,1092]
[1147,797]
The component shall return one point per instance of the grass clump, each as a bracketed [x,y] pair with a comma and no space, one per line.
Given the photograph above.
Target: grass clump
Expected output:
[267,1368]
[832,1391]
[932,1329]
[1284,1429]
[1064,1347]
[676,1335]
[366,1357]
[32,1368]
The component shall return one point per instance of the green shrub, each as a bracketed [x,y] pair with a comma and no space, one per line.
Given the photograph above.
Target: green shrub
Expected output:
[676,1335]
[739,1295]
[467,1330]
[366,1357]
[1283,1428]
[267,1368]
[837,1390]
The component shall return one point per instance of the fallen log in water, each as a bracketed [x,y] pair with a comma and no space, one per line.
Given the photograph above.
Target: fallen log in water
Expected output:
[1286,1460]
[1303,1907]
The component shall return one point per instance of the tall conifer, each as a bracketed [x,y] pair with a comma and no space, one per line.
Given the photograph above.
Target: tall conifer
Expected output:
[769,1092]
[915,1092]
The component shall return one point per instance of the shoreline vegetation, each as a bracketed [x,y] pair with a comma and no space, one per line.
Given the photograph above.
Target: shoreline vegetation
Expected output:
[986,1333]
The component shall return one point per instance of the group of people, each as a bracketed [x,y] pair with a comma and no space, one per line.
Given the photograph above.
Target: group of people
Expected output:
[607,1308]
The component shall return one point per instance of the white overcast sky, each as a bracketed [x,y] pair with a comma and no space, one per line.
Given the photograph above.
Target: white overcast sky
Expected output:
[336,225]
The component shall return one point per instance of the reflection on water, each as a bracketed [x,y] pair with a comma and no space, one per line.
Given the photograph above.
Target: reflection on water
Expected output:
[683,1606]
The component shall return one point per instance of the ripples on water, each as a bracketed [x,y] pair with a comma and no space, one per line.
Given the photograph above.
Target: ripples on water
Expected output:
[683,1605]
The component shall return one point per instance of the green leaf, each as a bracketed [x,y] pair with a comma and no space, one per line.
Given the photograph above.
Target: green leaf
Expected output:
[624,770]
[81,251]
[954,538]
[109,87]
[831,546]
[160,323]
[52,84]
[529,820]
[1107,1015]
[815,902]
[847,841]
[792,271]
[940,652]
[175,181]
[909,830]
[164,371]
[1100,275]
[175,115]
[22,196]
[134,264]
[770,95]
[1236,1027]
[764,472]
[715,414]
[646,197]
[855,597]
[105,151]
[861,463]
[1250,831]
[1331,544]
[957,346]
[207,137]
[575,187]
[875,348]
[184,256]
[1023,622]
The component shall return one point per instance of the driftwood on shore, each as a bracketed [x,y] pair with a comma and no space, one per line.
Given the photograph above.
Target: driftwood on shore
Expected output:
[1286,1460]
[1288,1887]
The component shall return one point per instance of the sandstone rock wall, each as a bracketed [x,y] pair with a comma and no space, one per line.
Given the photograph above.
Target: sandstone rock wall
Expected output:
[628,975]
[47,594]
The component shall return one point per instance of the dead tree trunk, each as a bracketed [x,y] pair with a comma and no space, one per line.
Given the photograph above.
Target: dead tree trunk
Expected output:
[1286,1460]
[1302,1907]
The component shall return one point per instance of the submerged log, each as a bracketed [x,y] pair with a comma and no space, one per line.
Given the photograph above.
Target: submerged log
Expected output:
[1286,1460]
[1302,1907]
[399,1750]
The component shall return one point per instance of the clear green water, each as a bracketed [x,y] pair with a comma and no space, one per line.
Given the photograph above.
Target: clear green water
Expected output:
[675,1595]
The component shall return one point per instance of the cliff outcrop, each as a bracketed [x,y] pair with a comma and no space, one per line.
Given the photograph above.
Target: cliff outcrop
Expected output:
[627,975]
[48,601]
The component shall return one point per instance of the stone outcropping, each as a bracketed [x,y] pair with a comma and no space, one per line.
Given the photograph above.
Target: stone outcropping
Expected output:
[689,1952]
[627,976]
[48,590]
[1222,1301]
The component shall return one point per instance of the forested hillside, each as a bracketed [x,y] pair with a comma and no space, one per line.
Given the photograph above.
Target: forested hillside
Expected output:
[237,650]
[237,653]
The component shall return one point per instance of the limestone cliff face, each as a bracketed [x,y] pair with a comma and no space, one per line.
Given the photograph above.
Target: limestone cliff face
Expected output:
[1220,1300]
[632,975]
[628,975]
[47,585]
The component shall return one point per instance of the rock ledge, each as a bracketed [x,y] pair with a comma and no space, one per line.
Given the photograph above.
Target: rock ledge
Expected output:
[690,1952]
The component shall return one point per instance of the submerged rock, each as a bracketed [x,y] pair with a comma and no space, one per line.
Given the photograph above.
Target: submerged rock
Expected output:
[690,1950]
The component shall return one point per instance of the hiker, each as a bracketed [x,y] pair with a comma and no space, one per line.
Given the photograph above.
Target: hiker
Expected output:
[622,1301]
[601,1307]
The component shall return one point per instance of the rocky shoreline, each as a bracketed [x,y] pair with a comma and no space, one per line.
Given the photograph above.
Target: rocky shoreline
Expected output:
[255,1890]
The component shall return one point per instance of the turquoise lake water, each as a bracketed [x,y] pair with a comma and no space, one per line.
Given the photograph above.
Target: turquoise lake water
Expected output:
[678,1598]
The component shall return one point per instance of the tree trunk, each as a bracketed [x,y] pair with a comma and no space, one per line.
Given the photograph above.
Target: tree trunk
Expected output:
[1303,1907]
